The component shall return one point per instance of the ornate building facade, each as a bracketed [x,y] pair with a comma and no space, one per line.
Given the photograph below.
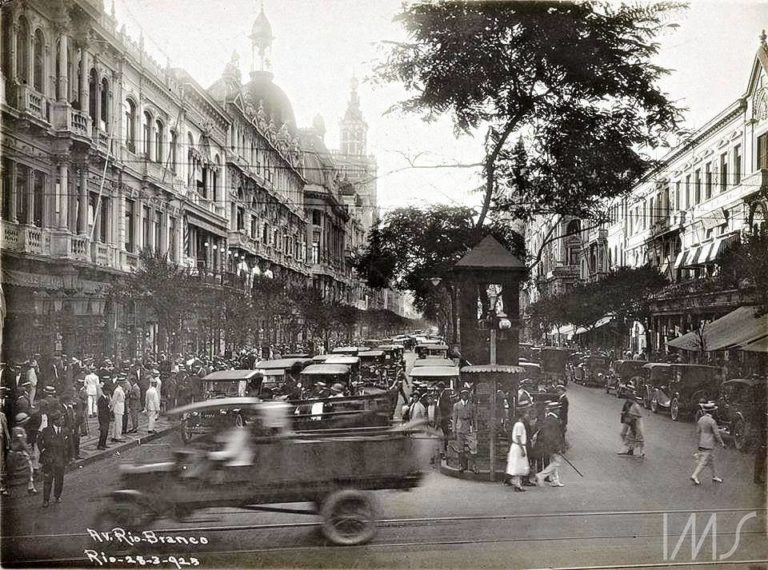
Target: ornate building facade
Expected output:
[681,219]
[107,153]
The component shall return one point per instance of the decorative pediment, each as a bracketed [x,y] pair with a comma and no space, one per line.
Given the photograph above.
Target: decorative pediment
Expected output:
[760,105]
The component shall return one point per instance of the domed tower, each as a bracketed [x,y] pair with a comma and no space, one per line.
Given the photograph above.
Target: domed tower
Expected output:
[261,41]
[354,130]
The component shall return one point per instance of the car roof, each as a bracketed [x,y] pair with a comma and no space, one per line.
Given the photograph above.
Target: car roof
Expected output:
[341,359]
[231,375]
[433,362]
[435,371]
[650,365]
[371,353]
[316,369]
[280,363]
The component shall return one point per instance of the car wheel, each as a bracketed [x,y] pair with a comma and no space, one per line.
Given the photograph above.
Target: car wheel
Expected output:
[349,517]
[674,409]
[739,433]
[654,405]
[239,421]
[123,514]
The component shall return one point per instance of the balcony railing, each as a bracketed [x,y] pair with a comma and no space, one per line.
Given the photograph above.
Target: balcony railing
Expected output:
[32,102]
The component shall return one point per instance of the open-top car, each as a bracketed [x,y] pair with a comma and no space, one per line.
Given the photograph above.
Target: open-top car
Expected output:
[689,384]
[217,386]
[372,365]
[741,407]
[265,462]
[353,362]
[622,373]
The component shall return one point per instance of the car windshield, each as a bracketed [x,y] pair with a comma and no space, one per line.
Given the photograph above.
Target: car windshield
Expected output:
[229,388]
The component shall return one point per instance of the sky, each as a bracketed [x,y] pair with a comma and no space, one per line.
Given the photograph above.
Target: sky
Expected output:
[320,44]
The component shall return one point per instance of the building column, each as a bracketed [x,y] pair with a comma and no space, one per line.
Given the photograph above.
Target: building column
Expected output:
[164,241]
[29,192]
[138,231]
[71,196]
[82,211]
[62,195]
[84,80]
[120,229]
[13,190]
[63,86]
[97,118]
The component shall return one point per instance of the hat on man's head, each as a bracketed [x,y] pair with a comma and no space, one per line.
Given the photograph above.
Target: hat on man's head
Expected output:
[441,384]
[337,388]
[560,387]
[464,391]
[50,390]
[21,418]
[708,406]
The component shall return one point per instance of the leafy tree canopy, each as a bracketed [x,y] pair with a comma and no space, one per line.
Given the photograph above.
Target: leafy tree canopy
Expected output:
[574,79]
[414,245]
[747,262]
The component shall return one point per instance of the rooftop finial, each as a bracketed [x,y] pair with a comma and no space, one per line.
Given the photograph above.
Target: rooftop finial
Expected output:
[763,37]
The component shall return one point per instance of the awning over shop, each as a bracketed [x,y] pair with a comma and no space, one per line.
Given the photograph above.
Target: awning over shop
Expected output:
[601,323]
[688,257]
[721,245]
[760,345]
[565,331]
[703,255]
[734,329]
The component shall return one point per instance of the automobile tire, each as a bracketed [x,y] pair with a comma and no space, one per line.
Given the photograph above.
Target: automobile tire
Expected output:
[674,409]
[654,405]
[239,421]
[349,517]
[739,433]
[128,515]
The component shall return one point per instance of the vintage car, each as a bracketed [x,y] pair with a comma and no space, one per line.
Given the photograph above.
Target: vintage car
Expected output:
[741,407]
[352,361]
[327,374]
[265,462]
[216,386]
[430,375]
[393,354]
[553,364]
[655,374]
[432,350]
[621,373]
[372,365]
[277,372]
[592,371]
[689,384]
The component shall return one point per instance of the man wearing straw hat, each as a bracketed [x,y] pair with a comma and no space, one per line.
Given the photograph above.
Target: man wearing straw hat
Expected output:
[708,435]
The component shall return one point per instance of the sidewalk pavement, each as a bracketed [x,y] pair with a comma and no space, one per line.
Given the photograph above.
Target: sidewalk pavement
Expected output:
[88,443]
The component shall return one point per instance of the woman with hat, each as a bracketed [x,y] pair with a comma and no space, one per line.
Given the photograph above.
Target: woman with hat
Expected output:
[708,435]
[21,446]
[517,459]
[632,424]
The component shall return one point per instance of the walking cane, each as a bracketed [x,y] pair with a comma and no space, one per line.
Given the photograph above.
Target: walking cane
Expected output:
[572,465]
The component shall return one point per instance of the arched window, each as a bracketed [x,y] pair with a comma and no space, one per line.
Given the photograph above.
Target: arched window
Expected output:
[39,48]
[93,93]
[22,51]
[159,128]
[147,134]
[174,150]
[129,108]
[104,104]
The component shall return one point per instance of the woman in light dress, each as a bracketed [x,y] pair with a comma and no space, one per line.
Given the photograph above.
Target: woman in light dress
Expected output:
[517,460]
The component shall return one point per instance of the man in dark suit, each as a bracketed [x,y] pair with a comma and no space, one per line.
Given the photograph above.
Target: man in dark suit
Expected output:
[105,415]
[55,452]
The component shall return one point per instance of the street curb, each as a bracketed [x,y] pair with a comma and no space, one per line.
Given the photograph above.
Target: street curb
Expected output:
[75,465]
[482,475]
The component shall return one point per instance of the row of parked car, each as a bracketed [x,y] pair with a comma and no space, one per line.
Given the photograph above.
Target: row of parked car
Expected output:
[679,389]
